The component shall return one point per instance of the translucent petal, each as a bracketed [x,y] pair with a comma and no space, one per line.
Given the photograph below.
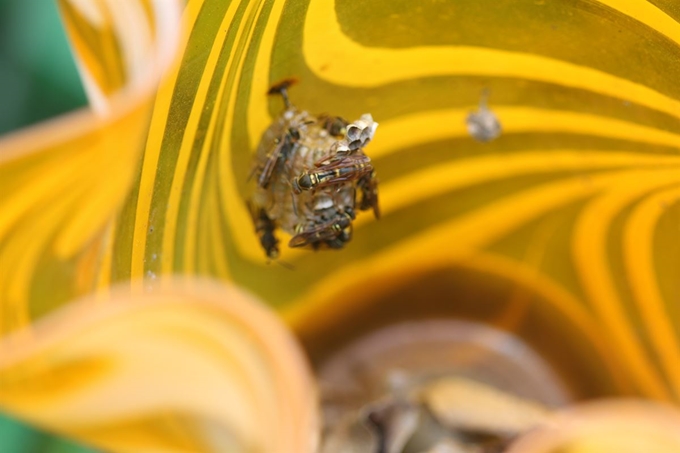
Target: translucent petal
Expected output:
[191,366]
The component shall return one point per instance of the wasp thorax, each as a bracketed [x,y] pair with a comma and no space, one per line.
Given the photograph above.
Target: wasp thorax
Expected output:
[302,182]
[311,175]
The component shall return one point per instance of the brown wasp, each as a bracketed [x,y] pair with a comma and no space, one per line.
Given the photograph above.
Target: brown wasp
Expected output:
[333,171]
[334,232]
[278,155]
[284,145]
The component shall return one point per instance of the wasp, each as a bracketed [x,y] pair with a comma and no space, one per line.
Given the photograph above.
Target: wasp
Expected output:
[334,232]
[333,171]
[286,144]
[279,154]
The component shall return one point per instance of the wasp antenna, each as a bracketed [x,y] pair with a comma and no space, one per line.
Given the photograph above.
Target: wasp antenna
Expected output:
[282,89]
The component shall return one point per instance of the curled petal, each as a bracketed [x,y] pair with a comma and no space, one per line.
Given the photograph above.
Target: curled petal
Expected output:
[194,366]
[63,182]
[622,426]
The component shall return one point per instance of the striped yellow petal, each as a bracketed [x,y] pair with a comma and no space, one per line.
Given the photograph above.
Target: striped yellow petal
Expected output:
[575,204]
[63,182]
[192,367]
[563,231]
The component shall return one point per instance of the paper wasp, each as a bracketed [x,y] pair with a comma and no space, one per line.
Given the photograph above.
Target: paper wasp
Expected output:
[333,171]
[284,145]
[334,232]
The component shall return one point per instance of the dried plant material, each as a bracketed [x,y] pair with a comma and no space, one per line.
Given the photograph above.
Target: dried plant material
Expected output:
[449,414]
[609,426]
[427,349]
[397,366]
[468,405]
[483,124]
[451,446]
[431,433]
[393,423]
[349,435]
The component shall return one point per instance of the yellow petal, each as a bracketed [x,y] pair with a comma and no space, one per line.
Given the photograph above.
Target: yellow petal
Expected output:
[563,230]
[577,200]
[195,367]
[63,182]
[625,426]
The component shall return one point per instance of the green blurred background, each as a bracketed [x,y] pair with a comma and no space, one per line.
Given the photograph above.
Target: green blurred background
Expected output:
[38,78]
[38,81]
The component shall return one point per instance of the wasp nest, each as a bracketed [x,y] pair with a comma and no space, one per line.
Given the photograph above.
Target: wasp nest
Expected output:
[312,176]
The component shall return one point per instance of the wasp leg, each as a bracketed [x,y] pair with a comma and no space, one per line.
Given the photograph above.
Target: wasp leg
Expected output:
[368,185]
